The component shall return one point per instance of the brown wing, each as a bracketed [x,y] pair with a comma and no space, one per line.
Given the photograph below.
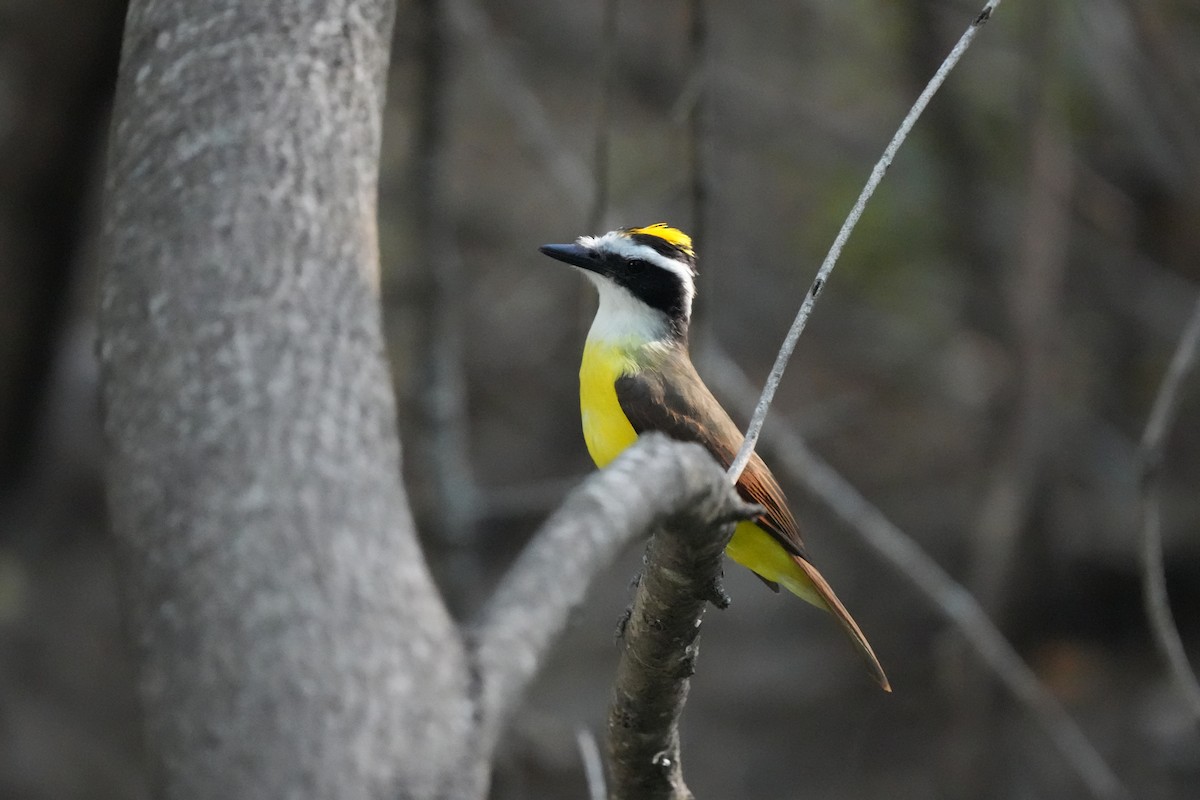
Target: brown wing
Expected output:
[674,400]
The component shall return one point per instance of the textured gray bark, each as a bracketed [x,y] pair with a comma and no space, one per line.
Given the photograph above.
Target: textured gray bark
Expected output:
[291,639]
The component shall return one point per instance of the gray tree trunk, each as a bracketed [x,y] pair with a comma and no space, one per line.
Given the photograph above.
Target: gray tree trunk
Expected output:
[281,605]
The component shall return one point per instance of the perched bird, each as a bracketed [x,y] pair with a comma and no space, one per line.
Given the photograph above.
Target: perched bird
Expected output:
[637,376]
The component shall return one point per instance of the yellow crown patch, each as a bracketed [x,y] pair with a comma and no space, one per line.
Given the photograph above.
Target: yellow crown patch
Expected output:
[668,234]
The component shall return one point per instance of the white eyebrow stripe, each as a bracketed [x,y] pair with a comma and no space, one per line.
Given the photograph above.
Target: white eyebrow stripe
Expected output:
[620,244]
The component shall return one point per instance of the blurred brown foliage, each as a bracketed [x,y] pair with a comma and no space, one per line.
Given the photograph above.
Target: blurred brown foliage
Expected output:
[980,366]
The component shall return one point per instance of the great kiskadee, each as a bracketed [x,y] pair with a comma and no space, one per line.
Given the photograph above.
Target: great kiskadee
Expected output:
[637,376]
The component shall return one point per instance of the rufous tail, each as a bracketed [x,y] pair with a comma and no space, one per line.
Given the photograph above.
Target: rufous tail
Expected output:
[845,620]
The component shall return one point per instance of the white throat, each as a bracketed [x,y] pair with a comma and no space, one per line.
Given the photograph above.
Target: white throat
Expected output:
[621,317]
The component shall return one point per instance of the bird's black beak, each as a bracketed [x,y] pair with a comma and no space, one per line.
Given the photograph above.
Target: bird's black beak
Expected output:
[574,255]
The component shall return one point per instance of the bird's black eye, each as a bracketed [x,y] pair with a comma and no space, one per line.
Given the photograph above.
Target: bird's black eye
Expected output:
[636,265]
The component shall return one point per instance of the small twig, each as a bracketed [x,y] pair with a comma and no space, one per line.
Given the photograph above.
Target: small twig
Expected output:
[889,153]
[793,458]
[593,766]
[1162,414]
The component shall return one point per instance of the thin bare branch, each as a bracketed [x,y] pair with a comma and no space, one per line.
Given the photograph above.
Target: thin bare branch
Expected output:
[793,458]
[526,614]
[593,766]
[889,153]
[1162,621]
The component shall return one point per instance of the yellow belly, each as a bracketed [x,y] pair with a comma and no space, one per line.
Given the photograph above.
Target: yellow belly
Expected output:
[607,432]
[757,550]
[605,429]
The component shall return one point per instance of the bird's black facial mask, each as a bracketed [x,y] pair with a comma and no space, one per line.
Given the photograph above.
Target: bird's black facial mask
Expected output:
[653,285]
[656,287]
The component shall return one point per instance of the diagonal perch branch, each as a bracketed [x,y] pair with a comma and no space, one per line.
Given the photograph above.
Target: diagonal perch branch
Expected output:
[654,480]
[1162,621]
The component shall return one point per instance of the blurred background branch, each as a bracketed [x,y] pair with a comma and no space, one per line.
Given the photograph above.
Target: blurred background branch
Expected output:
[536,126]
[593,766]
[794,458]
[1151,452]
[453,504]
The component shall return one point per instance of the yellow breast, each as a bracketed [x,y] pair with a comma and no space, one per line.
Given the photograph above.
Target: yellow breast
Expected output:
[607,432]
[605,428]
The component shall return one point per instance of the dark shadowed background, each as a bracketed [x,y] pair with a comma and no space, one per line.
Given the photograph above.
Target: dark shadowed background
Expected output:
[980,366]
